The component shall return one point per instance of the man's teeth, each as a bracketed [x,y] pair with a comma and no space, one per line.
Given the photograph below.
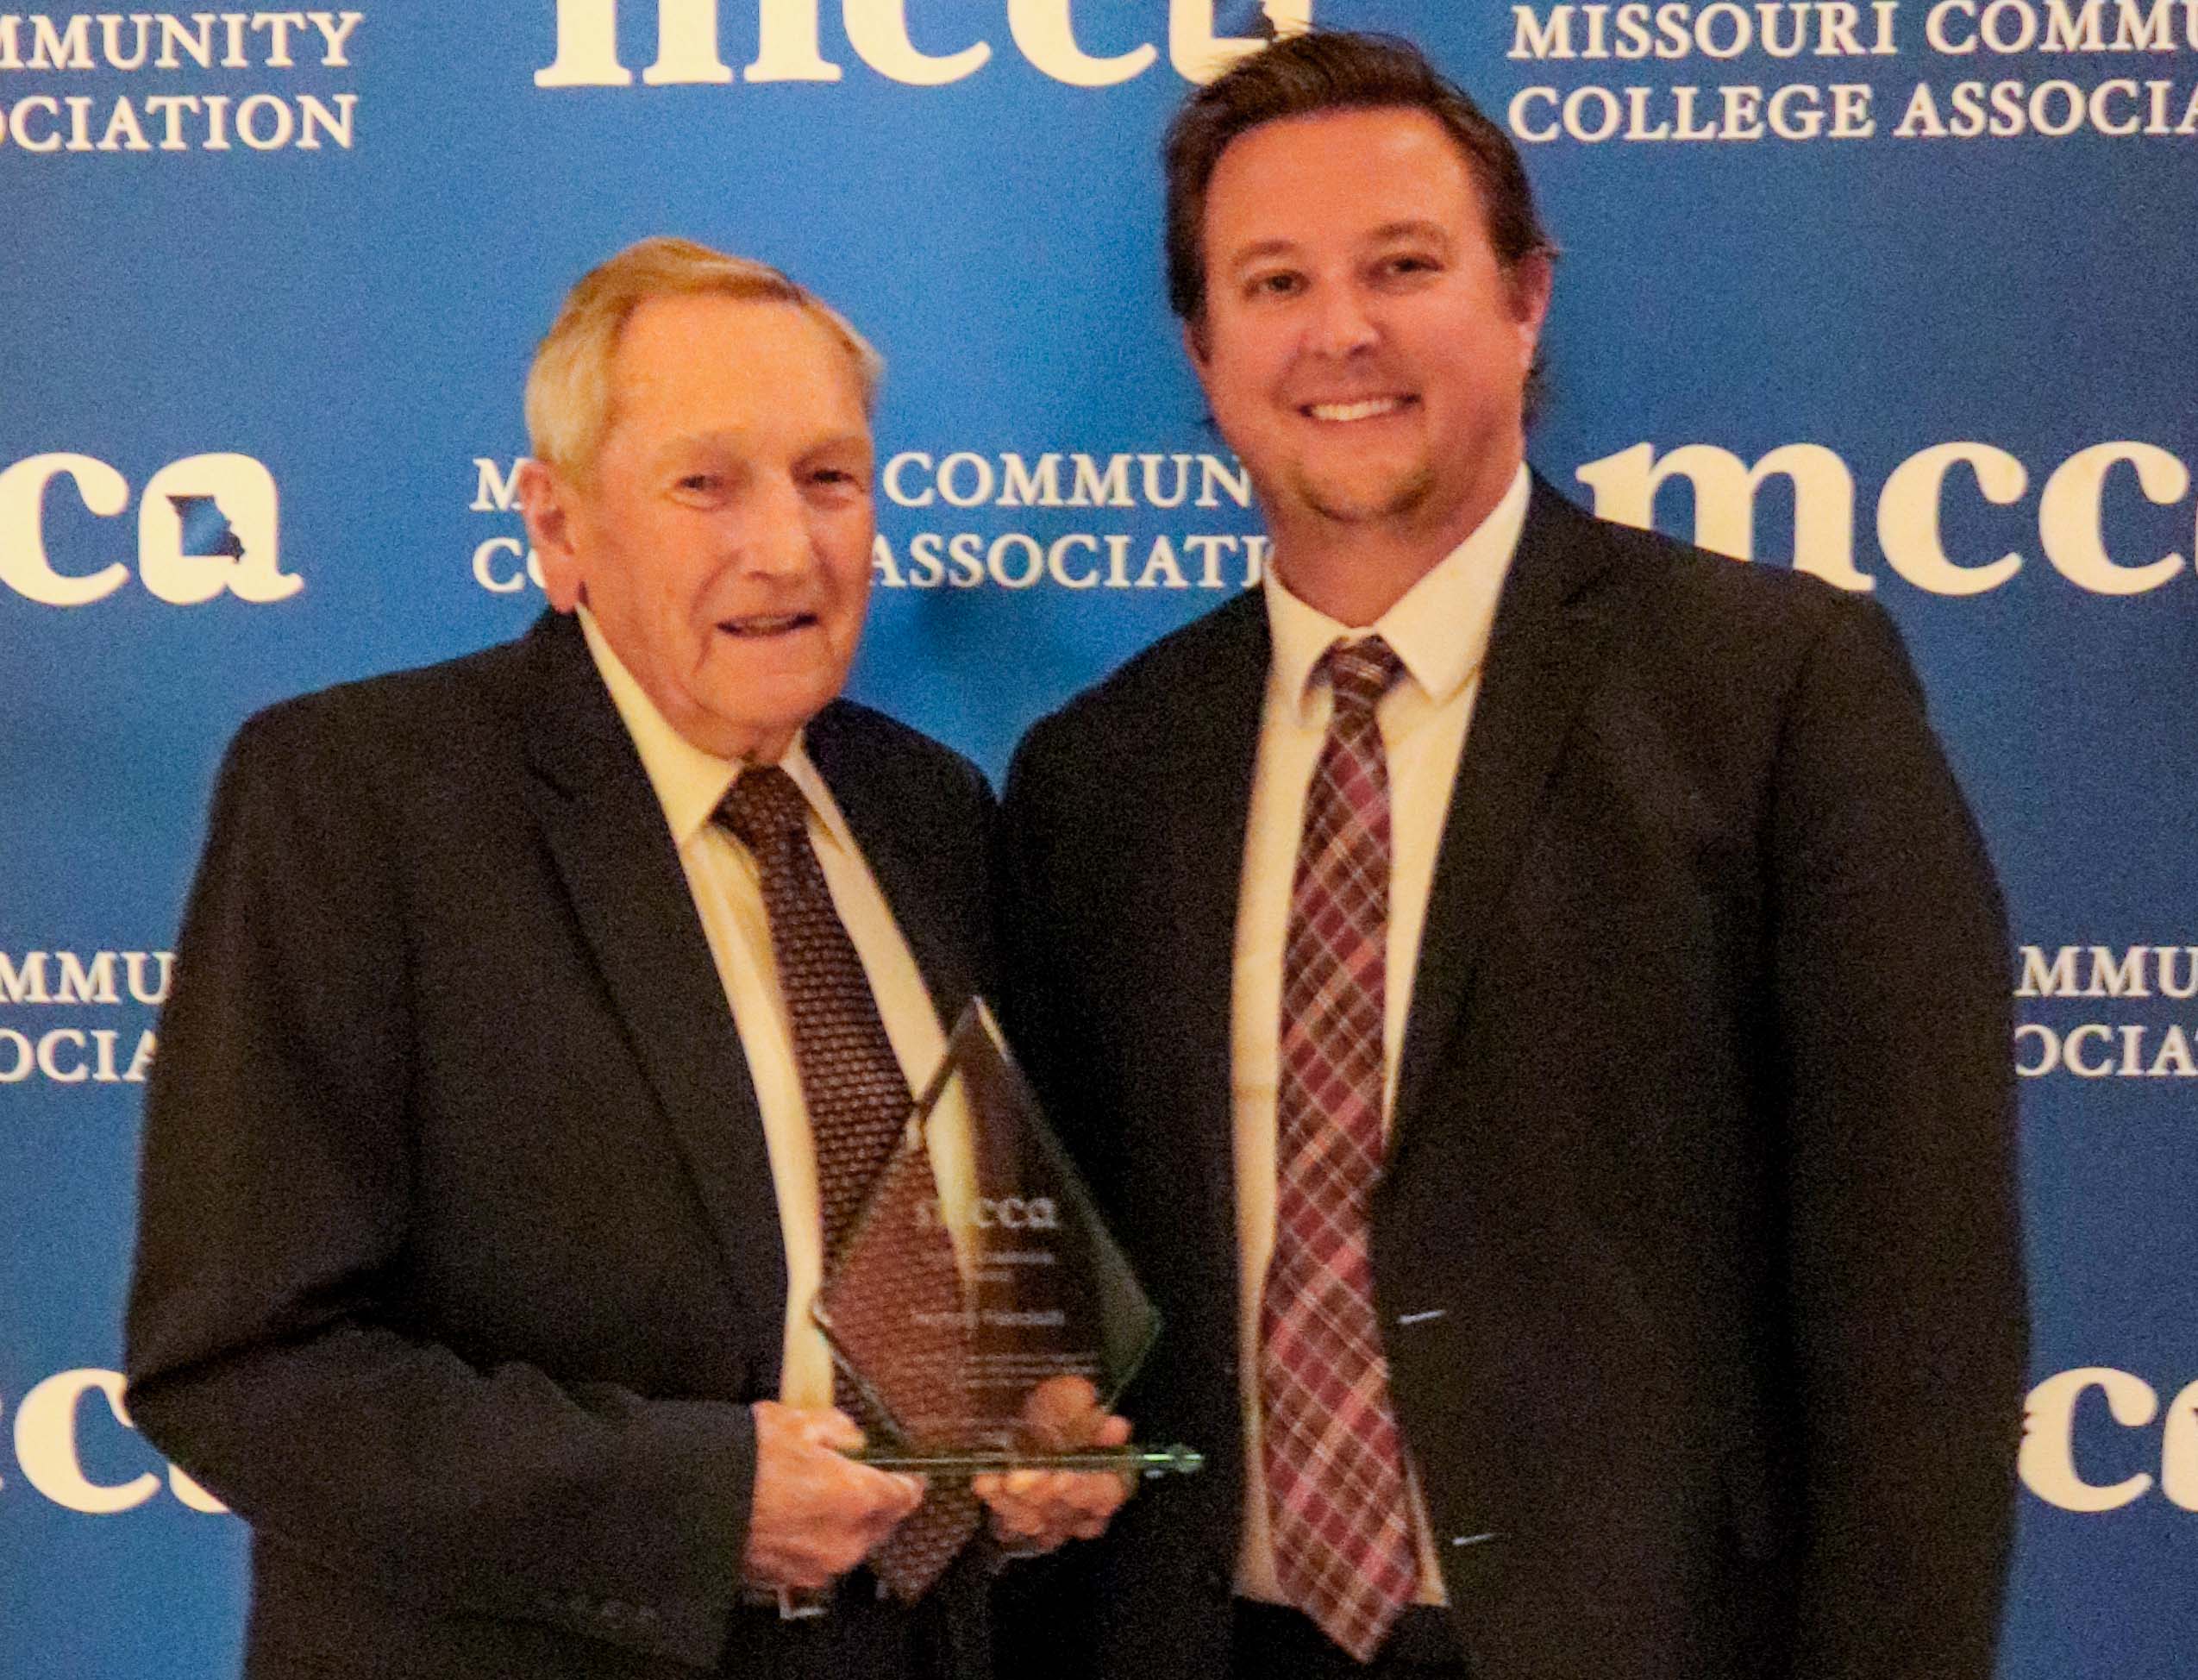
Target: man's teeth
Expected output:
[1360,411]
[765,626]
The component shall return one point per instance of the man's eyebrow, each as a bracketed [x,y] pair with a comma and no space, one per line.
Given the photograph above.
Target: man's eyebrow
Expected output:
[684,443]
[1410,228]
[730,439]
[687,451]
[1260,249]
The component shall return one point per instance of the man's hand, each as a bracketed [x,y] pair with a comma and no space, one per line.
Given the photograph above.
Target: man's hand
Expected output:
[1036,1510]
[816,1514]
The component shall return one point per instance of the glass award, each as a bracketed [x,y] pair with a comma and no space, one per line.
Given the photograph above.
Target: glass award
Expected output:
[978,1284]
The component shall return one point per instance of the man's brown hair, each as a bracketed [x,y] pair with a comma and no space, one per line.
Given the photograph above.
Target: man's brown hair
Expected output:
[1328,69]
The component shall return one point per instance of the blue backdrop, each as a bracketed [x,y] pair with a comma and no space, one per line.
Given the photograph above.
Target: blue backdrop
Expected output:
[1880,289]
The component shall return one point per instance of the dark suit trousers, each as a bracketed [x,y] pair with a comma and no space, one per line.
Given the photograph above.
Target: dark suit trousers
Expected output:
[860,1635]
[307,1622]
[1269,1642]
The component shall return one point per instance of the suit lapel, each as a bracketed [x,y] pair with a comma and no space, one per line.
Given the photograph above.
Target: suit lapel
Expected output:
[604,829]
[1204,807]
[1551,643]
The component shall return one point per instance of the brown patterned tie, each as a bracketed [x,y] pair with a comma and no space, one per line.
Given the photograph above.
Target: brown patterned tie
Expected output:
[858,1101]
[1336,1490]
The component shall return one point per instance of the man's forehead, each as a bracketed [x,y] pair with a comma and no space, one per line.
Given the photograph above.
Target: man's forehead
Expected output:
[711,337]
[716,367]
[1381,166]
[680,313]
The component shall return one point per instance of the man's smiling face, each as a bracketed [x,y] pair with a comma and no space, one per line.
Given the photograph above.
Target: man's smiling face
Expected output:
[723,538]
[1363,351]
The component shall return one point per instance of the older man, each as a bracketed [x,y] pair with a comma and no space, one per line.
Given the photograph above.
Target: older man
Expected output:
[542,1017]
[1533,997]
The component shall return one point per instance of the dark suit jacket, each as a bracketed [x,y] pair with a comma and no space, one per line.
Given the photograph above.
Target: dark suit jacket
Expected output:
[458,1262]
[1696,1250]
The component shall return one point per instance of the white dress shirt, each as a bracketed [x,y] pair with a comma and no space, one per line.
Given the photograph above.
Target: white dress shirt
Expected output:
[728,897]
[1439,630]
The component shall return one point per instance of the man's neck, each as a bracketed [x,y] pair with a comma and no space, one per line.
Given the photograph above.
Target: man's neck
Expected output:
[1355,572]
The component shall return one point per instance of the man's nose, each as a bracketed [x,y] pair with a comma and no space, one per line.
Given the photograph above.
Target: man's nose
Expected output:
[1341,324]
[773,530]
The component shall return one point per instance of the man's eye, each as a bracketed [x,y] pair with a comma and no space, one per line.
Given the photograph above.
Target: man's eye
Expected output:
[1280,283]
[699,482]
[1410,263]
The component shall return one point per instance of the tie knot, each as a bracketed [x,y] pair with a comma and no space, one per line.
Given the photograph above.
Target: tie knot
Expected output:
[763,805]
[1360,673]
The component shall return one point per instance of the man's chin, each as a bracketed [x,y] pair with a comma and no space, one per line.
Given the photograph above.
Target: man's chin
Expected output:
[1368,500]
[755,716]
[772,673]
[754,739]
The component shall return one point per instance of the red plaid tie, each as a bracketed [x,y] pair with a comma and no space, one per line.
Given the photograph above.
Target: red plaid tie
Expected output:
[1342,1526]
[858,1102]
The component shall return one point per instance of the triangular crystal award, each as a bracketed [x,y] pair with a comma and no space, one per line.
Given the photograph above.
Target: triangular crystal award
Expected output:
[979,1279]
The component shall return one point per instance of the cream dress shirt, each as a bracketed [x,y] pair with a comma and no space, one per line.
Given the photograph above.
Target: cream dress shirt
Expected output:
[1439,630]
[728,898]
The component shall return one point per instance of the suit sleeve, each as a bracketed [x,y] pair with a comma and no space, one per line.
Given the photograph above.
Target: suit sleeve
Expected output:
[1890,958]
[273,1224]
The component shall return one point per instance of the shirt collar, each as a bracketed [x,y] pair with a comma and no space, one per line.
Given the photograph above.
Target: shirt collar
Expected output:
[690,783]
[1438,629]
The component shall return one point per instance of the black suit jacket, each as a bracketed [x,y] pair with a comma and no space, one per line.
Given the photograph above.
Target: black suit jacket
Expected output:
[1696,1250]
[459,1259]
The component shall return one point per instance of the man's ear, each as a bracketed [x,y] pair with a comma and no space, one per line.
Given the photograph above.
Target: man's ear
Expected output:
[546,500]
[1532,277]
[1194,342]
